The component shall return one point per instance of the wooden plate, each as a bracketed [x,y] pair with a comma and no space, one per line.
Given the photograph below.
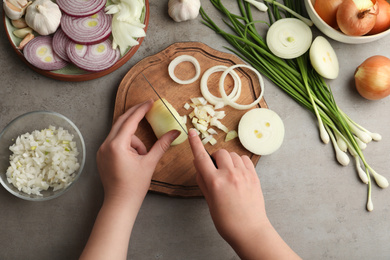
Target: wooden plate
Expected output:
[175,173]
[71,72]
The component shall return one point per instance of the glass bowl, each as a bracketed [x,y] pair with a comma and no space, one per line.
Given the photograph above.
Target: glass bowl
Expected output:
[27,123]
[336,34]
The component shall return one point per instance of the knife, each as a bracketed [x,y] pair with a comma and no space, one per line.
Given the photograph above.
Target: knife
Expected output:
[185,131]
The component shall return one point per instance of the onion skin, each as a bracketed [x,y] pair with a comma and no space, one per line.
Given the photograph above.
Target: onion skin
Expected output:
[327,10]
[355,22]
[382,19]
[372,78]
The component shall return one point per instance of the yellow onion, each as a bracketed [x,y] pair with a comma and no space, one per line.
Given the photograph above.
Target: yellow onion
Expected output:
[357,17]
[372,78]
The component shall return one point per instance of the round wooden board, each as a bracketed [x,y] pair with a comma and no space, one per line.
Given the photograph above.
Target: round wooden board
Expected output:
[175,173]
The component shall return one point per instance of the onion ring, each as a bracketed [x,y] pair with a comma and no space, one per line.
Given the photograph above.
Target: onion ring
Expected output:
[87,30]
[39,52]
[60,41]
[228,100]
[177,61]
[81,8]
[234,95]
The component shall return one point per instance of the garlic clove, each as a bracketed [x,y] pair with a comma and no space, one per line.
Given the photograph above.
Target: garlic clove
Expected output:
[183,10]
[12,11]
[25,40]
[19,23]
[21,33]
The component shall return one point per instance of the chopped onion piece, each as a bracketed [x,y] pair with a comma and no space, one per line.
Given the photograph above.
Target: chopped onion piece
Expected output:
[234,95]
[177,61]
[233,103]
[231,135]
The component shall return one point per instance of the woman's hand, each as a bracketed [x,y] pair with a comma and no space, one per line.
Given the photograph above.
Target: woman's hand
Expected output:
[124,164]
[233,194]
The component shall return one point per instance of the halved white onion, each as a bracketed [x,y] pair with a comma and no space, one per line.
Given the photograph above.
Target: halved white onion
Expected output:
[323,58]
[229,101]
[289,38]
[177,61]
[261,131]
[234,95]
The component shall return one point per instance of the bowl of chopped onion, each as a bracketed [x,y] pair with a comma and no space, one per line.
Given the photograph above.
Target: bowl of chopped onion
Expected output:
[343,22]
[42,154]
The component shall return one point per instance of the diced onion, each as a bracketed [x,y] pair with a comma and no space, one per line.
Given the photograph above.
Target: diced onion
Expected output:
[43,159]
[234,95]
[231,102]
[289,38]
[177,61]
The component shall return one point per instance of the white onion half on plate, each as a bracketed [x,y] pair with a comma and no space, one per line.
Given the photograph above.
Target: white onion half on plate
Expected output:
[261,131]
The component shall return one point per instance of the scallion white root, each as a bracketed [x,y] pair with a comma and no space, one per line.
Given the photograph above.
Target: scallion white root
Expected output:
[341,156]
[262,7]
[362,174]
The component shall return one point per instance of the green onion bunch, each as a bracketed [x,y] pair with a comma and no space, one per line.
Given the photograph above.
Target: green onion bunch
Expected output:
[299,80]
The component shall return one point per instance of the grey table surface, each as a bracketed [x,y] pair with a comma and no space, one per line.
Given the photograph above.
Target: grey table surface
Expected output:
[315,204]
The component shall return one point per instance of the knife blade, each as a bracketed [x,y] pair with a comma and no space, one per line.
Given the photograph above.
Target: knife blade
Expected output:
[177,120]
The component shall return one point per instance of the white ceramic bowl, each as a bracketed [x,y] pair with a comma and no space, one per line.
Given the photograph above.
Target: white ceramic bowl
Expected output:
[335,34]
[27,123]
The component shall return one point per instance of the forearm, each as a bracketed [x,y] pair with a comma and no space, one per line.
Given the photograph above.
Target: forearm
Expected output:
[264,244]
[110,235]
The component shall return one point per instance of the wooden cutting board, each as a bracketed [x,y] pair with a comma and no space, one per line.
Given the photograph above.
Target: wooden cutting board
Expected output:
[175,173]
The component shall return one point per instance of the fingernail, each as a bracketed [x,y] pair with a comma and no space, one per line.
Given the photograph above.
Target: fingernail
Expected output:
[175,134]
[192,132]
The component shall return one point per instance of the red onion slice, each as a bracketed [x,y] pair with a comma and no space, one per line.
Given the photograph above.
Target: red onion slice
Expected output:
[81,8]
[96,57]
[87,30]
[60,41]
[39,52]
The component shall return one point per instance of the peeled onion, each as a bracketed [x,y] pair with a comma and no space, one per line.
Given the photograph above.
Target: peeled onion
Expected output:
[372,78]
[357,20]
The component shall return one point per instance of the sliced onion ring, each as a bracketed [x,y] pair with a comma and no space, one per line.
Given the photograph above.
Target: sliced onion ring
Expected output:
[39,52]
[87,30]
[81,8]
[234,95]
[60,41]
[228,100]
[177,61]
[95,57]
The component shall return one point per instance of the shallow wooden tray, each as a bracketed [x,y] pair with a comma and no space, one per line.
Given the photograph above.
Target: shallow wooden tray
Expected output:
[175,173]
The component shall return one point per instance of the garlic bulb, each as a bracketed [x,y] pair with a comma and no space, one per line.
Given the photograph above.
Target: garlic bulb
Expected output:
[43,16]
[15,9]
[183,10]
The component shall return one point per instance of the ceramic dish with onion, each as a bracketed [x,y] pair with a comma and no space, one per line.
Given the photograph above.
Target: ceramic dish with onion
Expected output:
[55,161]
[337,34]
[71,72]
